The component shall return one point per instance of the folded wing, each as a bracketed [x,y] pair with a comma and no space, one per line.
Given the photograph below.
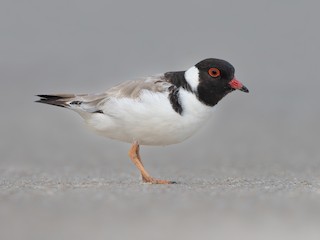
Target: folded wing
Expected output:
[91,103]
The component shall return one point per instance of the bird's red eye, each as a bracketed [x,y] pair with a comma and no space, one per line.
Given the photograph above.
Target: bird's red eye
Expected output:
[214,72]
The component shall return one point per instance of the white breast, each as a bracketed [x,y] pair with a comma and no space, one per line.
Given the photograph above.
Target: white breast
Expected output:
[150,118]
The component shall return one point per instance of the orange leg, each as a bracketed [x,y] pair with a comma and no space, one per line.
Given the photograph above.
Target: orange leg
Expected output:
[135,158]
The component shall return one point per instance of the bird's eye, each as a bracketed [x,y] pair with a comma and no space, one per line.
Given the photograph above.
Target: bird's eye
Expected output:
[214,72]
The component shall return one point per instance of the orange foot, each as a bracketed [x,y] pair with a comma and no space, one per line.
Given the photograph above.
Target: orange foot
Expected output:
[151,180]
[135,158]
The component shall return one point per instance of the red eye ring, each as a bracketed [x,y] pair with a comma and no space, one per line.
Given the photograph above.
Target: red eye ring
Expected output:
[214,72]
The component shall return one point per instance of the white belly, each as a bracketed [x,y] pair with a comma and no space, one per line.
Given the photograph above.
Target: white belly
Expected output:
[150,119]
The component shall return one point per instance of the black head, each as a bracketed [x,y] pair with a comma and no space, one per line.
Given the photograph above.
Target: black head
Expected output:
[216,80]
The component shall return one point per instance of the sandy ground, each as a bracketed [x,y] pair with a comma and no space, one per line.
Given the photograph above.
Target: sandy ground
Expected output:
[87,188]
[252,172]
[50,206]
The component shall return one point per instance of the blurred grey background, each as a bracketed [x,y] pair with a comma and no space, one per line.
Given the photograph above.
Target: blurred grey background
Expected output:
[252,172]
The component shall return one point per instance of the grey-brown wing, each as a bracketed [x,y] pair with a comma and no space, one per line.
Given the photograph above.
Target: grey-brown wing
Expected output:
[92,103]
[131,89]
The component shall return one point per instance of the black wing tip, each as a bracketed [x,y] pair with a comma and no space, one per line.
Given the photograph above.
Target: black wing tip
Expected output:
[49,97]
[51,100]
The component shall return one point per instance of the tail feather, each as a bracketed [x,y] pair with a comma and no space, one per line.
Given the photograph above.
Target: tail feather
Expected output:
[60,100]
[81,103]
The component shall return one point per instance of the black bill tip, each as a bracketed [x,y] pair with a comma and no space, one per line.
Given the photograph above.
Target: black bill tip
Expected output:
[244,89]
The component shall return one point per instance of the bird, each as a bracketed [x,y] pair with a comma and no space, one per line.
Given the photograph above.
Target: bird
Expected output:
[159,110]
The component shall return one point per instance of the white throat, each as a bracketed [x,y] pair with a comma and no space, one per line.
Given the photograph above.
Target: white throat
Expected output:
[192,77]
